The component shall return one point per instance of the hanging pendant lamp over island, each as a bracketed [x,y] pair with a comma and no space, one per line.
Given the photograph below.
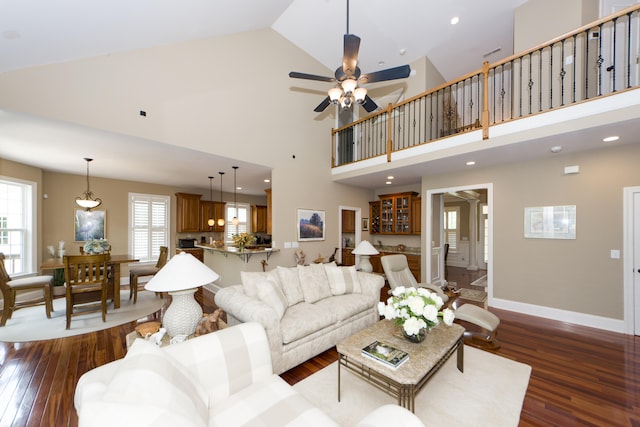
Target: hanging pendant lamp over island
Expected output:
[221,219]
[211,222]
[235,221]
[88,201]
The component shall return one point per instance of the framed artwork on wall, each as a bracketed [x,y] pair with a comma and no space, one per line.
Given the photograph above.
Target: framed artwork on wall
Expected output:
[89,225]
[365,224]
[310,224]
[550,222]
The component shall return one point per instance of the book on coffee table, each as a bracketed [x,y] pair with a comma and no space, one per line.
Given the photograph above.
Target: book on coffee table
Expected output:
[385,354]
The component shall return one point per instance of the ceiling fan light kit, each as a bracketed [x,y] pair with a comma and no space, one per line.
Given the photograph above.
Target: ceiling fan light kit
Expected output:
[347,78]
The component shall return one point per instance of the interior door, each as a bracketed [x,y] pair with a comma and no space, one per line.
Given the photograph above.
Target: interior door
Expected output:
[636,260]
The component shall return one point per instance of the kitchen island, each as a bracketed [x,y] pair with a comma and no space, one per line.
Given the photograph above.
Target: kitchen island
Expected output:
[229,261]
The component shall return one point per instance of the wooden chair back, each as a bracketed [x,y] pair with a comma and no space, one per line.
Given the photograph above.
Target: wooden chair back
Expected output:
[162,259]
[86,278]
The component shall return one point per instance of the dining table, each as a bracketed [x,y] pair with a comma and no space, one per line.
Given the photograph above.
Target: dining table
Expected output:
[115,261]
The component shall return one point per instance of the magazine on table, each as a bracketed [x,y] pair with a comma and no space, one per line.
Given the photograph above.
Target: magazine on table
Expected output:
[386,354]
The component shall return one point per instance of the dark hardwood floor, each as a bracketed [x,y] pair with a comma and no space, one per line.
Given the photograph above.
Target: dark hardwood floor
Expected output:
[581,376]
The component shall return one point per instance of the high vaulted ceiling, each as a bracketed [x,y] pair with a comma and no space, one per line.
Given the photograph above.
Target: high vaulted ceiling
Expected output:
[37,32]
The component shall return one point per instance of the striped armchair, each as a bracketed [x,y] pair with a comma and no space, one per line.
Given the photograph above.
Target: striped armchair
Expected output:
[219,379]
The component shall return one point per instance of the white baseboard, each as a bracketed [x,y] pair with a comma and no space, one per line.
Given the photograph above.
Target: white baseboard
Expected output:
[590,320]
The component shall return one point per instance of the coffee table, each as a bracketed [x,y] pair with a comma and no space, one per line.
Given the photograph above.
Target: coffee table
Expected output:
[404,382]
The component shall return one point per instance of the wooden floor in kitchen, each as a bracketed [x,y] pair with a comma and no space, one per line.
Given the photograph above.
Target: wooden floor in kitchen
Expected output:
[581,376]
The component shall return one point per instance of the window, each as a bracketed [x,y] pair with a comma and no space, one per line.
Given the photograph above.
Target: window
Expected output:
[451,215]
[148,225]
[243,221]
[16,226]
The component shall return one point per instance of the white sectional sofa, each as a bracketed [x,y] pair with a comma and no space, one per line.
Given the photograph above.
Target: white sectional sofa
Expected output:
[221,379]
[304,310]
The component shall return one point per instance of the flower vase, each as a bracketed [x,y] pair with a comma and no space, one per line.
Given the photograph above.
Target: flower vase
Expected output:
[240,248]
[418,338]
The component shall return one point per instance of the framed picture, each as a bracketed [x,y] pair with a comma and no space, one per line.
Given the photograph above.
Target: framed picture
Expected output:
[310,225]
[550,222]
[89,225]
[365,224]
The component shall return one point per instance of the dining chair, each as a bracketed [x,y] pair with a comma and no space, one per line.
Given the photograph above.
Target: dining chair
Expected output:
[142,271]
[86,279]
[11,287]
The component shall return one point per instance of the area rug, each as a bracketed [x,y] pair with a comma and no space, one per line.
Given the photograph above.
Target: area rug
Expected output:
[490,392]
[473,295]
[32,324]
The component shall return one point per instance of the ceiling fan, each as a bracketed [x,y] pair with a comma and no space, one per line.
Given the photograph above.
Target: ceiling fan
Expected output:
[348,77]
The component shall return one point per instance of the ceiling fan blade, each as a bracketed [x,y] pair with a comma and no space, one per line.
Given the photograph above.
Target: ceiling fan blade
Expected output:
[401,72]
[369,104]
[324,104]
[296,75]
[350,58]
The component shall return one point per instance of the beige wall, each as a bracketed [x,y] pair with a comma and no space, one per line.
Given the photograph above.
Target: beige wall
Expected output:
[538,21]
[575,275]
[230,96]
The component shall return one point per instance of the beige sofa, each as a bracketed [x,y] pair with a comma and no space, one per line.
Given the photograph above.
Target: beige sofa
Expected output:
[221,379]
[304,310]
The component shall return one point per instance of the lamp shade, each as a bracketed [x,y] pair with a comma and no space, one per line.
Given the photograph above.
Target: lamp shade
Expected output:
[365,248]
[349,85]
[182,272]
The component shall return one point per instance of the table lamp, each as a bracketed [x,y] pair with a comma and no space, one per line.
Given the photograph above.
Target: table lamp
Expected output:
[181,277]
[365,250]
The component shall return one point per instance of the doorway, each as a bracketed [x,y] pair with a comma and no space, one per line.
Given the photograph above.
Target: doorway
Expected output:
[461,217]
[631,262]
[349,232]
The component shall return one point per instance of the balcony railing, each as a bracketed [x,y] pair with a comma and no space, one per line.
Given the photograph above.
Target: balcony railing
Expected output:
[596,60]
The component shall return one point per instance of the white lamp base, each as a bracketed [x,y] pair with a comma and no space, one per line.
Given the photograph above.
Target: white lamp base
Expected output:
[365,264]
[183,315]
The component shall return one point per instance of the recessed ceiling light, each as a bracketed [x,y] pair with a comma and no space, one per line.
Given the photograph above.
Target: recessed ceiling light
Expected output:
[556,149]
[388,182]
[611,138]
[380,63]
[403,51]
[390,177]
[471,163]
[238,188]
[267,180]
[455,20]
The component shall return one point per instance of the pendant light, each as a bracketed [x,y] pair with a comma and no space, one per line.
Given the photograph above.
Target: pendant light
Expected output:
[221,219]
[87,201]
[211,221]
[235,221]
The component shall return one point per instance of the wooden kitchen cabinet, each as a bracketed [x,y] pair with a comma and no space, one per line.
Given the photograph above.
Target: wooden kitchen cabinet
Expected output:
[347,257]
[396,213]
[348,221]
[196,252]
[188,212]
[269,209]
[374,217]
[416,215]
[206,213]
[259,218]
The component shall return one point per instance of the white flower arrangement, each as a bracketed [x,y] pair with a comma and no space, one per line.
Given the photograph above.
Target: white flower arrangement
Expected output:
[415,309]
[96,246]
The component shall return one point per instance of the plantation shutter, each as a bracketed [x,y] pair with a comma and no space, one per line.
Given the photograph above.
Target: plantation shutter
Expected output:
[149,225]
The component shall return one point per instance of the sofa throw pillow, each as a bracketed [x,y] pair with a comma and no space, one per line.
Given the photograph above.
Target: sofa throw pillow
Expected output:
[147,368]
[251,279]
[314,282]
[270,293]
[342,280]
[290,283]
